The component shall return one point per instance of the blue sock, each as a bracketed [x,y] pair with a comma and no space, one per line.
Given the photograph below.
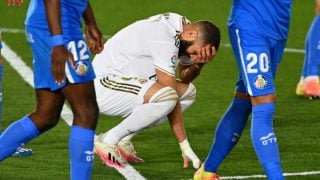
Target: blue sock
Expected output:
[81,153]
[19,132]
[228,132]
[264,140]
[312,60]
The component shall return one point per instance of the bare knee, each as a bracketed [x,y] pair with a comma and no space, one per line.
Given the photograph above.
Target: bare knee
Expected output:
[86,116]
[44,121]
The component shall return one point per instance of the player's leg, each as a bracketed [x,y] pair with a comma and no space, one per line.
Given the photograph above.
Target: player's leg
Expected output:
[20,150]
[310,85]
[117,96]
[1,72]
[82,99]
[300,85]
[187,96]
[228,131]
[45,116]
[263,98]
[231,124]
[158,102]
[49,103]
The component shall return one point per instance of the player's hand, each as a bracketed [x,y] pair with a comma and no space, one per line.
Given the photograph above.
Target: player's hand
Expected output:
[94,38]
[205,54]
[14,2]
[59,56]
[188,155]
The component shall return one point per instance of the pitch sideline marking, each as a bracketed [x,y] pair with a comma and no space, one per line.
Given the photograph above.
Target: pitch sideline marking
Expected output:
[263,176]
[26,73]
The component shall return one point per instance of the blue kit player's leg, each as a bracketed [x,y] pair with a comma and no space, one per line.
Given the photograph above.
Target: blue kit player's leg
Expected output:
[312,62]
[19,150]
[85,109]
[1,71]
[18,133]
[309,81]
[258,58]
[228,132]
[81,152]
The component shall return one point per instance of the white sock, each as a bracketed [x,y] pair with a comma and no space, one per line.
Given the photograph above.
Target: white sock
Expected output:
[142,117]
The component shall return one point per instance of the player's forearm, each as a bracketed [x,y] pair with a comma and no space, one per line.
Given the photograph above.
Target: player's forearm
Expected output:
[188,74]
[88,16]
[176,122]
[53,14]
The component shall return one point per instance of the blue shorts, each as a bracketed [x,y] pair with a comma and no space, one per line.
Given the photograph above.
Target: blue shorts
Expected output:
[40,43]
[257,57]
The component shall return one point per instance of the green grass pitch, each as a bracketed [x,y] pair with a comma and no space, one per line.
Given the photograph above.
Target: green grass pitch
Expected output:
[296,123]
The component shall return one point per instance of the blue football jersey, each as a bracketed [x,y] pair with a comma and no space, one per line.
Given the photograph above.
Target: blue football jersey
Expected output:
[71,16]
[269,16]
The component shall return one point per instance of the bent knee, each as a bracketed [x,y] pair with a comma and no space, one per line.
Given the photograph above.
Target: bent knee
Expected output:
[188,97]
[166,95]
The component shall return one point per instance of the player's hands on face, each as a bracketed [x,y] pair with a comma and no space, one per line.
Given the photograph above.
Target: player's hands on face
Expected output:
[14,2]
[94,38]
[204,54]
[59,56]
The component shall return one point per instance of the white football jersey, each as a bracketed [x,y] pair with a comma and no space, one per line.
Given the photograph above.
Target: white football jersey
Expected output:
[136,50]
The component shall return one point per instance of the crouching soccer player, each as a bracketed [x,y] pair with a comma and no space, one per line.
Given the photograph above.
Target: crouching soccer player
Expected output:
[136,80]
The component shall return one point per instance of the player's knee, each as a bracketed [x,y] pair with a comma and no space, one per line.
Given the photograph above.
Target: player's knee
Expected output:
[87,117]
[188,98]
[45,122]
[166,96]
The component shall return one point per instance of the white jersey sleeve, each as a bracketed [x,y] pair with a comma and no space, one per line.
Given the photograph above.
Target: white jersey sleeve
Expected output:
[164,56]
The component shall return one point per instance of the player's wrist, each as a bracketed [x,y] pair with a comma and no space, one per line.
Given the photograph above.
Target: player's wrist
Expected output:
[57,40]
[198,65]
[184,145]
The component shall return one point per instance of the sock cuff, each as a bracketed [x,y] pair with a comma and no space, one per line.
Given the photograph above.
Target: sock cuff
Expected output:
[266,107]
[81,133]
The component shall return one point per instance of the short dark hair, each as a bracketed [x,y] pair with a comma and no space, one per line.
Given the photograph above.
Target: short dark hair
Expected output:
[209,33]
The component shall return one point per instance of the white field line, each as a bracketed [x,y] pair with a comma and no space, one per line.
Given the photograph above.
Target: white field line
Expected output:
[308,173]
[290,50]
[26,73]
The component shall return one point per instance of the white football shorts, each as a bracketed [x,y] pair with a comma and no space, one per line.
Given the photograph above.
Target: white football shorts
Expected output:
[118,96]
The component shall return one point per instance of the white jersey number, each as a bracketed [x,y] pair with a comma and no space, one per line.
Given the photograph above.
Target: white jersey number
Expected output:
[254,59]
[79,50]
